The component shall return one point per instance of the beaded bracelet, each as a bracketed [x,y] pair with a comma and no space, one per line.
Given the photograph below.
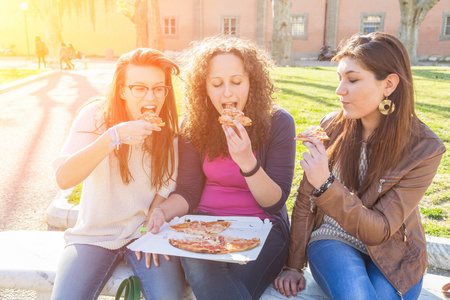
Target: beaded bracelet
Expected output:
[324,187]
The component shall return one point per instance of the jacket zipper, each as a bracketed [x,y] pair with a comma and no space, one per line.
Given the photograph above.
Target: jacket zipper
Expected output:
[311,203]
[380,185]
[405,232]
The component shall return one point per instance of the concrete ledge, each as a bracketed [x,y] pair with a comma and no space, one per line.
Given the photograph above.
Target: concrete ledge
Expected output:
[24,81]
[61,215]
[438,252]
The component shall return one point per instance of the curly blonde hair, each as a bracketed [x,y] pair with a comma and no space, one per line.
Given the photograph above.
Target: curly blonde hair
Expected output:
[201,126]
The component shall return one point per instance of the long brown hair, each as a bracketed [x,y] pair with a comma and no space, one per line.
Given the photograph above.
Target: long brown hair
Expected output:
[201,126]
[382,54]
[159,145]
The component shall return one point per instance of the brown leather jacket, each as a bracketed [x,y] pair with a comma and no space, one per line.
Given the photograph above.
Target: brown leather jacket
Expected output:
[386,218]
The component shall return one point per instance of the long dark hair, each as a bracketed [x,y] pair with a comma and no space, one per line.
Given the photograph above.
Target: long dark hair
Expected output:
[382,54]
[159,145]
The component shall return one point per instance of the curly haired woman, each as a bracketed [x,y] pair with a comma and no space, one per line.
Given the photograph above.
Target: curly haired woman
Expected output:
[232,170]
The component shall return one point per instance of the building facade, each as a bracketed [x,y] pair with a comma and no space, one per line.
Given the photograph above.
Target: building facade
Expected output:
[313,24]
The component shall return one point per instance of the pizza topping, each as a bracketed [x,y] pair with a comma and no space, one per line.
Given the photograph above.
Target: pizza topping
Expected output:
[215,244]
[230,113]
[312,131]
[200,227]
[149,115]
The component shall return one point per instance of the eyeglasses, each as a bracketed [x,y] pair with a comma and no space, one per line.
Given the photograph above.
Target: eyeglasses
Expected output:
[140,91]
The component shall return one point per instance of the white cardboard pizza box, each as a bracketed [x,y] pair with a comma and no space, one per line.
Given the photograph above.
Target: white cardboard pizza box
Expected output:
[241,227]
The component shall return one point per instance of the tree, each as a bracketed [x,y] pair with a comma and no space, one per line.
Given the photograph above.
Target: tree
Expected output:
[140,17]
[51,12]
[412,14]
[281,46]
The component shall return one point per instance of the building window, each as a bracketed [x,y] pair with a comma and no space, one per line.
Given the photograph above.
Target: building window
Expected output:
[169,26]
[445,32]
[372,22]
[230,26]
[299,26]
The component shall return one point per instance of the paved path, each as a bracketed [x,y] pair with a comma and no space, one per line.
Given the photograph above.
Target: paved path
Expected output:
[34,122]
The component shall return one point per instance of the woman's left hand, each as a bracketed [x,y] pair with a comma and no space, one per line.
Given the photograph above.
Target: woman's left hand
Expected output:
[315,162]
[240,146]
[148,256]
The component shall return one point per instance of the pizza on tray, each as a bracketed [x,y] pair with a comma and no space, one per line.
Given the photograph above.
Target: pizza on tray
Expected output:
[214,244]
[200,227]
[312,131]
[230,113]
[149,115]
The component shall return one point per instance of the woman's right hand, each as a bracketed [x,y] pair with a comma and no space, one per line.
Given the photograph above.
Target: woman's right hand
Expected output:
[138,131]
[289,281]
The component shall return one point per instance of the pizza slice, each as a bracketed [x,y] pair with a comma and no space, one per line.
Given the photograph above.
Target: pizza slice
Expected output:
[149,115]
[312,131]
[214,244]
[200,227]
[230,113]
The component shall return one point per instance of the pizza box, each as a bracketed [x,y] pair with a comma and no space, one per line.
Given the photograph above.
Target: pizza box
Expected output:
[242,227]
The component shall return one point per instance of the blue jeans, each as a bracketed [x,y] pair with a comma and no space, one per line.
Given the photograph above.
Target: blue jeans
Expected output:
[83,271]
[346,273]
[220,280]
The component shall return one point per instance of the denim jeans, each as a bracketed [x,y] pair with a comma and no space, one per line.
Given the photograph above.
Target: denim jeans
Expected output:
[83,271]
[346,273]
[220,280]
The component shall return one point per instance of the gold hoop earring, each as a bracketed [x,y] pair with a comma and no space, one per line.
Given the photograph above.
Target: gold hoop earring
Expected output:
[386,106]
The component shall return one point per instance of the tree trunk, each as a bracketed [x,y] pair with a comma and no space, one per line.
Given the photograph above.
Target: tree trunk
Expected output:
[156,36]
[281,46]
[53,36]
[412,14]
[141,10]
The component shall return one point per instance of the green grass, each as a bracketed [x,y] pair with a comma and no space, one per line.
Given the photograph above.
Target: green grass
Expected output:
[74,197]
[308,94]
[9,75]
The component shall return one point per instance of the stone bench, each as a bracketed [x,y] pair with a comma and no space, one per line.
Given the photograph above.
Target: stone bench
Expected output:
[29,260]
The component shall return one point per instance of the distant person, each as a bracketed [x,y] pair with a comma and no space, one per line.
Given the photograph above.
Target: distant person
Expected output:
[71,54]
[63,56]
[41,51]
[356,218]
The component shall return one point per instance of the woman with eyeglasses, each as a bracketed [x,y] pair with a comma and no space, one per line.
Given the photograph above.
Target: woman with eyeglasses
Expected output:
[128,167]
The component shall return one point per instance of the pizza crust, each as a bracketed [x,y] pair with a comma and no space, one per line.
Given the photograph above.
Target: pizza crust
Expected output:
[200,227]
[214,244]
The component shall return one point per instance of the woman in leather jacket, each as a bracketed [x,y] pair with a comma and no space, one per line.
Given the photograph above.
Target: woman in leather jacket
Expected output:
[356,218]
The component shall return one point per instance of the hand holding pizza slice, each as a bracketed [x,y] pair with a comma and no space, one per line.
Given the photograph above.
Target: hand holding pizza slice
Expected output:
[312,131]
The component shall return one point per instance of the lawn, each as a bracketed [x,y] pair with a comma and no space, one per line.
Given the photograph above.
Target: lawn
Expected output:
[308,94]
[8,75]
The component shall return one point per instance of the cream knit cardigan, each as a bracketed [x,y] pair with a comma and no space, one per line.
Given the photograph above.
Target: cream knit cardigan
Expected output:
[111,213]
